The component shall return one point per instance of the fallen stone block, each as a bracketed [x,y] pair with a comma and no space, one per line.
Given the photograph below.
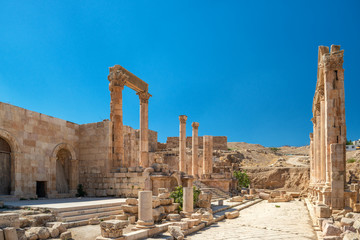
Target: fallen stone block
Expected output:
[21,234]
[173,217]
[40,220]
[236,199]
[207,216]
[182,225]
[94,221]
[66,236]
[322,211]
[132,201]
[169,208]
[231,215]
[331,230]
[2,237]
[10,233]
[24,222]
[347,221]
[159,213]
[54,232]
[264,196]
[132,219]
[9,220]
[155,202]
[121,217]
[176,232]
[164,195]
[130,209]
[113,228]
[350,236]
[162,190]
[41,232]
[166,201]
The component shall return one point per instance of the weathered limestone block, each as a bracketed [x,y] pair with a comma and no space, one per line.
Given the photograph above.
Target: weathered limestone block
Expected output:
[130,209]
[350,236]
[9,220]
[264,196]
[356,224]
[322,211]
[31,235]
[204,200]
[173,217]
[94,221]
[237,199]
[155,202]
[24,222]
[159,213]
[207,216]
[132,201]
[189,222]
[347,221]
[182,225]
[66,235]
[331,230]
[121,217]
[2,237]
[113,228]
[231,215]
[41,232]
[10,233]
[162,190]
[166,201]
[132,219]
[54,232]
[248,197]
[176,232]
[59,226]
[196,216]
[169,208]
[356,207]
[20,232]
[164,195]
[41,219]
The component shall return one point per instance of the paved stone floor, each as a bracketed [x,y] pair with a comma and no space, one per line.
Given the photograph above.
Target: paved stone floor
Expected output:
[263,221]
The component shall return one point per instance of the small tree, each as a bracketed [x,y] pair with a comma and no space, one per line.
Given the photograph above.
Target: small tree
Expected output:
[242,178]
[177,195]
[349,142]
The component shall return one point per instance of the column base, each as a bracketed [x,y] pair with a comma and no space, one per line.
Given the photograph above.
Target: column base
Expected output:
[140,224]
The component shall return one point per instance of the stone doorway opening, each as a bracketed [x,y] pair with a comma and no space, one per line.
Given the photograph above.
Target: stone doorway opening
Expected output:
[63,164]
[5,167]
[41,189]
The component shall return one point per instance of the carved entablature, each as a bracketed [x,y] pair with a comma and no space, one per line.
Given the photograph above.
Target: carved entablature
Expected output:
[333,61]
[317,109]
[144,96]
[313,120]
[117,78]
[321,93]
[195,125]
[311,136]
[182,118]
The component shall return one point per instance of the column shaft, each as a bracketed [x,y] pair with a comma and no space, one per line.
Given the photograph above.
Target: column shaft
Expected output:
[195,147]
[182,143]
[144,129]
[207,154]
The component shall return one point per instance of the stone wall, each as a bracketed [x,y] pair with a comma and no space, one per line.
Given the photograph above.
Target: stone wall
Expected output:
[35,139]
[220,142]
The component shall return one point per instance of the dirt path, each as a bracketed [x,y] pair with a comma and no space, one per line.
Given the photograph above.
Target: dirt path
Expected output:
[295,160]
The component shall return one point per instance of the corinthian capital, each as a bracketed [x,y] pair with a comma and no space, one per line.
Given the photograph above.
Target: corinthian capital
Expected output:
[182,118]
[144,96]
[117,77]
[195,125]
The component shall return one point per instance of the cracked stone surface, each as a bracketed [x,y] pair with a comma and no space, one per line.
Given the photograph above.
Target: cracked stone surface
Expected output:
[263,221]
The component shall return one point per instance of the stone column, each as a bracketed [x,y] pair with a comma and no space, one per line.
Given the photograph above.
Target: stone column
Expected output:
[318,147]
[144,129]
[146,219]
[182,143]
[311,153]
[207,154]
[195,148]
[322,141]
[117,79]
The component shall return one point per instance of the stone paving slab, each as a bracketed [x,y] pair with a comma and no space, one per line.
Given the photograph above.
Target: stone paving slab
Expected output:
[263,221]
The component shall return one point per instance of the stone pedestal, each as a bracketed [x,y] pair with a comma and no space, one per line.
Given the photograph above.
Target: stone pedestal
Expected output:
[182,143]
[188,200]
[145,210]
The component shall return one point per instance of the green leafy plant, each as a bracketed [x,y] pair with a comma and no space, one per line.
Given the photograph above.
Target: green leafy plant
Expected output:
[177,195]
[277,206]
[274,149]
[242,178]
[351,160]
[349,142]
[80,191]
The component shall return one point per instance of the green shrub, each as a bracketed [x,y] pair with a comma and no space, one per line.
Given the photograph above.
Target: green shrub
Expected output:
[80,191]
[177,195]
[274,149]
[351,160]
[242,178]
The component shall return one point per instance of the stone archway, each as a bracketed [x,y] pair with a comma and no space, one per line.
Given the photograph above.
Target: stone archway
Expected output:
[5,167]
[11,152]
[64,172]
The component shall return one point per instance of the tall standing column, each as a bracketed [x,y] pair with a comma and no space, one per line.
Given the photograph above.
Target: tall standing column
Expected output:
[195,148]
[207,154]
[117,79]
[318,148]
[144,129]
[182,143]
[322,140]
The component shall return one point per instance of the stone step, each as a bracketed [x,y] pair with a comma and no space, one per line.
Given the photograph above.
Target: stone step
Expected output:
[90,215]
[87,211]
[85,207]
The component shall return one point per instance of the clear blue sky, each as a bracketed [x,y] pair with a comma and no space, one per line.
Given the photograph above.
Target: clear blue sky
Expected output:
[242,69]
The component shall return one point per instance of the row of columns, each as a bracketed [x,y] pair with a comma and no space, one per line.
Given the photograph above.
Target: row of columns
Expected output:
[192,167]
[327,142]
[118,79]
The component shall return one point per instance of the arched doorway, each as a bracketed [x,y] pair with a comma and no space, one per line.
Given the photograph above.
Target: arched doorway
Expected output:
[5,167]
[63,171]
